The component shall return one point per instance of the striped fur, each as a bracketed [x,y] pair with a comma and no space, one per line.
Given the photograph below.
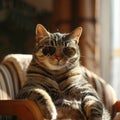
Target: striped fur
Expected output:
[56,82]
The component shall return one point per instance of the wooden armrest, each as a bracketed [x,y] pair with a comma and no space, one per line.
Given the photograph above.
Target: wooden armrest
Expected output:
[116,108]
[117,104]
[23,109]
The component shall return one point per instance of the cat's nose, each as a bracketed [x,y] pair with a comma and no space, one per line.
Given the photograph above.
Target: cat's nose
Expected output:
[58,58]
[58,55]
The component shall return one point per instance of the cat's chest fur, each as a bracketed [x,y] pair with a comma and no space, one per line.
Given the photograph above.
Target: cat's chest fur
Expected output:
[57,79]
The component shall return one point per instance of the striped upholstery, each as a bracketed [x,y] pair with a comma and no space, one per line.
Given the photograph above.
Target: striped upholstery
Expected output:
[12,77]
[9,83]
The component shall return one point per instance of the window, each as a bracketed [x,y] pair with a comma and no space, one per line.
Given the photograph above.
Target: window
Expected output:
[110,44]
[115,45]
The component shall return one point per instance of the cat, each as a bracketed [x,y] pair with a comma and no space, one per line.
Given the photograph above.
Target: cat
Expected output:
[55,81]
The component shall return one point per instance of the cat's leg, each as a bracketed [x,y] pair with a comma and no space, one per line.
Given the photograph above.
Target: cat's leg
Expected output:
[42,99]
[93,108]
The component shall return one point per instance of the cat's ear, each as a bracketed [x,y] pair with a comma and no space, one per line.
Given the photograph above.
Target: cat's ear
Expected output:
[41,32]
[75,34]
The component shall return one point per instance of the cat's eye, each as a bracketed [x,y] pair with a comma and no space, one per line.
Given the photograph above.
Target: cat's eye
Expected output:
[69,51]
[48,50]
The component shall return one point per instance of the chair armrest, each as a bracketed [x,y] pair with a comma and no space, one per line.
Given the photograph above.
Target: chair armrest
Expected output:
[23,109]
[116,106]
[116,110]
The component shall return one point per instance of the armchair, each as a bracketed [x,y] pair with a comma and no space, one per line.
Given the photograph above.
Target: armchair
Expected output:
[12,77]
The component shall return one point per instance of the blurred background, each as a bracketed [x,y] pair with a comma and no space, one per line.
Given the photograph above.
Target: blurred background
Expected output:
[99,43]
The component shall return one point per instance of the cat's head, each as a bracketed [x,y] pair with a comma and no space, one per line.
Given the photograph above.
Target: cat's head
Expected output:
[56,51]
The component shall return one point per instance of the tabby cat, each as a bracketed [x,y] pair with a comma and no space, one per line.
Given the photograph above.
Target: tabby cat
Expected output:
[55,81]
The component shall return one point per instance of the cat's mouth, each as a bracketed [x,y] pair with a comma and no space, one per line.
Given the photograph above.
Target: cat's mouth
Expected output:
[58,62]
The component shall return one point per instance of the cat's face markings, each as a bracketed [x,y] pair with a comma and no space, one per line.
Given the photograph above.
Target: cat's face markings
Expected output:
[59,52]
[41,32]
[69,51]
[49,50]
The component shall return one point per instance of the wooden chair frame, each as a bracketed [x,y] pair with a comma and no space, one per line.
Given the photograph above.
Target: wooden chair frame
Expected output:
[28,110]
[23,109]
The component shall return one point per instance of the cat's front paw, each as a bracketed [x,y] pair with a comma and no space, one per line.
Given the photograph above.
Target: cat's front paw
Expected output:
[51,114]
[54,115]
[93,109]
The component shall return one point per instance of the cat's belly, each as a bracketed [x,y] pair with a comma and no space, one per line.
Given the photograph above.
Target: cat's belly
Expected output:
[69,109]
[66,113]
